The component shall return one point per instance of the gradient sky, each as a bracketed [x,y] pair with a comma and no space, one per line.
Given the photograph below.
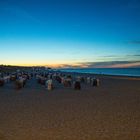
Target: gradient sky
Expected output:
[78,33]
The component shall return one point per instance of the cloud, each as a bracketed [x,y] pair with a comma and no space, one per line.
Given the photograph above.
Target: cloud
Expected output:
[108,64]
[109,56]
[125,57]
[113,64]
[134,42]
[136,55]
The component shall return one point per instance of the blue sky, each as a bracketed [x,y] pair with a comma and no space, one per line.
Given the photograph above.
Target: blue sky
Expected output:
[83,33]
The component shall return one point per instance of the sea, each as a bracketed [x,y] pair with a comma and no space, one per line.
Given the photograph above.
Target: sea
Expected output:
[135,72]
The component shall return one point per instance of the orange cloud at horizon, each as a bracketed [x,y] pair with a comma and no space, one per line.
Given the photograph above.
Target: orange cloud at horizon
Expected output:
[135,64]
[84,65]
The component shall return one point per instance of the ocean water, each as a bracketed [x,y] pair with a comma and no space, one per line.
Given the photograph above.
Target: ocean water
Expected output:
[107,71]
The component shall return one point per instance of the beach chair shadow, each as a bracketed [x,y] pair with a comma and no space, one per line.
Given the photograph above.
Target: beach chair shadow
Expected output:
[2,137]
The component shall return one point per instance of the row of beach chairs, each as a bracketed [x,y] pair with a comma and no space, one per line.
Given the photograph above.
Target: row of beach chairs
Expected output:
[65,80]
[19,79]
[49,80]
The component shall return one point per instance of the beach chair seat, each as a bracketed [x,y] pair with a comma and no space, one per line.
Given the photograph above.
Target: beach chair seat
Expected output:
[77,85]
[89,80]
[43,81]
[24,82]
[95,82]
[58,79]
[67,83]
[38,80]
[1,82]
[49,84]
[13,78]
[18,84]
[82,79]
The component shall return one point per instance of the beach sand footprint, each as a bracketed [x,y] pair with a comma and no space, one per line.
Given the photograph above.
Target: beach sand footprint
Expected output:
[2,136]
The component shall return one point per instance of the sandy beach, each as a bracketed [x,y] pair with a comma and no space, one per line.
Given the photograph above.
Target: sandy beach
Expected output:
[108,112]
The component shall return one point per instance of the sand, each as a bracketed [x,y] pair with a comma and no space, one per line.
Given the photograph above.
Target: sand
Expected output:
[108,112]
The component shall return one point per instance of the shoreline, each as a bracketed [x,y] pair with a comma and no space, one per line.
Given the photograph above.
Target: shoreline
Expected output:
[102,75]
[121,72]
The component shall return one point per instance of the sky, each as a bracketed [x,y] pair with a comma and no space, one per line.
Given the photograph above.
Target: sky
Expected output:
[70,33]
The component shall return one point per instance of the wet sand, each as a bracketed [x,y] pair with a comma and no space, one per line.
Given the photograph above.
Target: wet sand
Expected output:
[108,112]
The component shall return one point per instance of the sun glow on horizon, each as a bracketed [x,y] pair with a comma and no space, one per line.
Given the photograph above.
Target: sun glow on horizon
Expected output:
[116,64]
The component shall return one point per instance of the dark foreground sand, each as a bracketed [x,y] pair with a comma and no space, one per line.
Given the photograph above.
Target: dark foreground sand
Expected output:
[108,112]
